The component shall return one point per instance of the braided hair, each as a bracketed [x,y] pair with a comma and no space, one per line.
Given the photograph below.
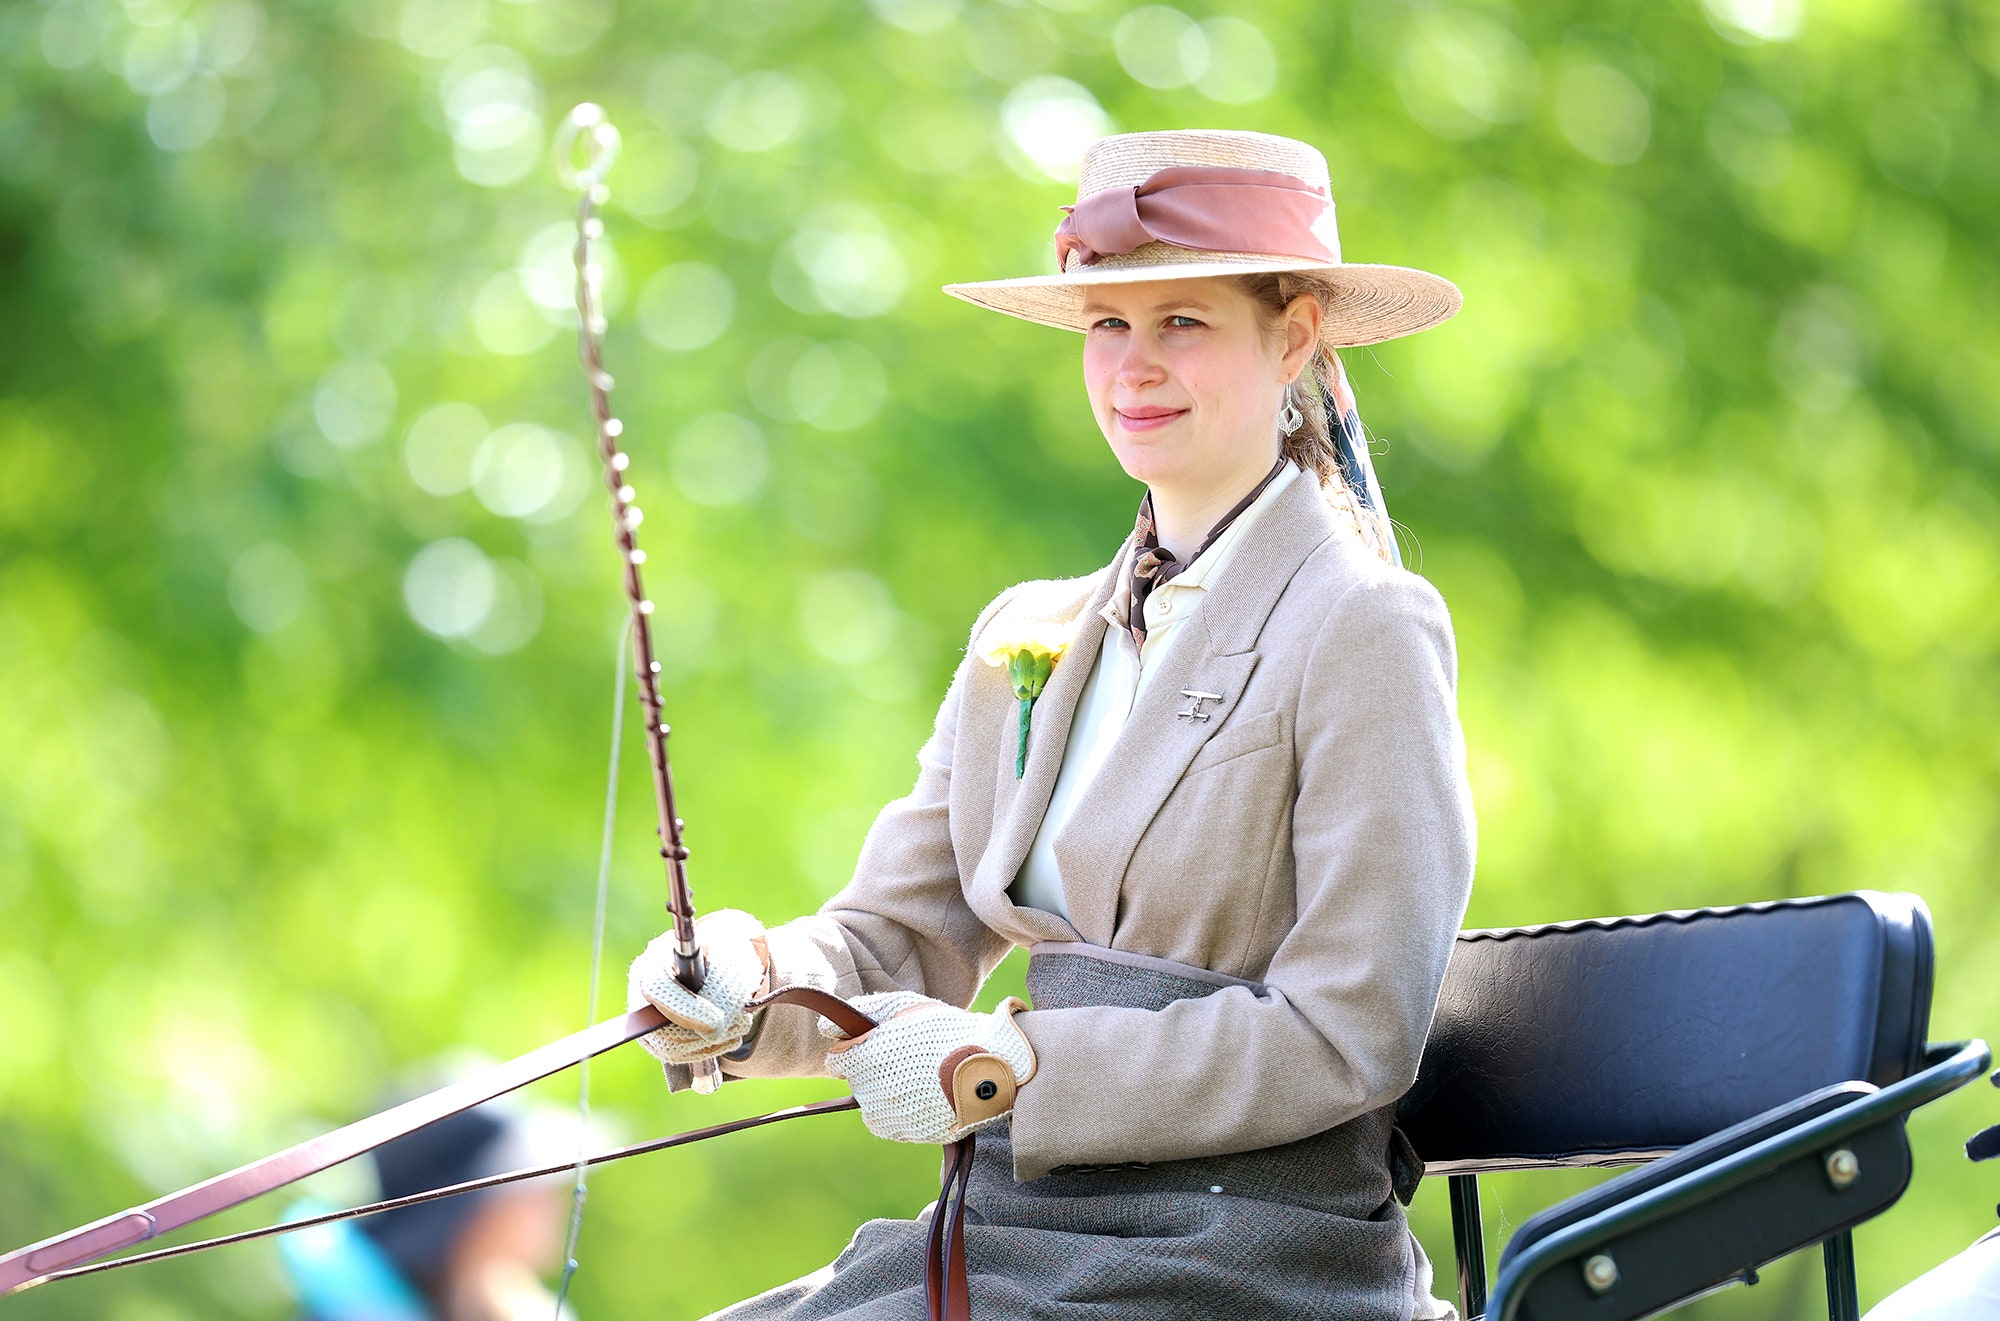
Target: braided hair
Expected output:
[1315,445]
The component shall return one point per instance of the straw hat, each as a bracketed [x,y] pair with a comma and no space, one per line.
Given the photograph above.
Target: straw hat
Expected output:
[1237,203]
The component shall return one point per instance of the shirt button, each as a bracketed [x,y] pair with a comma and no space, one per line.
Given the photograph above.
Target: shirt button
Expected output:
[1161,605]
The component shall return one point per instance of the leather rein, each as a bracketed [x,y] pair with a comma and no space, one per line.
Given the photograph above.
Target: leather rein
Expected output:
[76,1253]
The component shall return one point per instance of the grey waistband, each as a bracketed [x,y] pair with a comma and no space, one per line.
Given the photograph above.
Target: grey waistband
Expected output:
[1188,971]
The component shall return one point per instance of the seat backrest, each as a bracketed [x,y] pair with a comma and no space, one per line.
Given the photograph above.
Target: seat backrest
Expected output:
[1616,1040]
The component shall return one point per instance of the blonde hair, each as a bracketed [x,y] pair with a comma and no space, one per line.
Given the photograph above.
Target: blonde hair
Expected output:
[1311,444]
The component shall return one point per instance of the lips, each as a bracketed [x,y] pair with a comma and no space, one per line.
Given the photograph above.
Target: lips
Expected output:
[1147,417]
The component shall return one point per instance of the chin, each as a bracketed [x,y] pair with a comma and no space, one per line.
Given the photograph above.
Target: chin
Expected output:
[1143,466]
[1144,460]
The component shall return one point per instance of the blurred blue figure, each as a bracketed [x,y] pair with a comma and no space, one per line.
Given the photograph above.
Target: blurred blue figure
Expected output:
[474,1257]
[341,1275]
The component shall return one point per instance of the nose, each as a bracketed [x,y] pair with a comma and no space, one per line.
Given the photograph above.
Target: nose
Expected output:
[1142,363]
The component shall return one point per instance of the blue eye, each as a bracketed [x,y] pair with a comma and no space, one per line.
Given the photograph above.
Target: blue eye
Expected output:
[1108,323]
[1182,321]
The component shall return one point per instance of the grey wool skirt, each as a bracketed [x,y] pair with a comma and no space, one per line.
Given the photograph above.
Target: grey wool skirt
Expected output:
[1313,1228]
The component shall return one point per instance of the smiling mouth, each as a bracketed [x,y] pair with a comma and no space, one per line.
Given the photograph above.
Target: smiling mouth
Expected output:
[1150,419]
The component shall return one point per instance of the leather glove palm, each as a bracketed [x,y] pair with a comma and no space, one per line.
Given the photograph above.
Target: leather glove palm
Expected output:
[904,1071]
[713,1022]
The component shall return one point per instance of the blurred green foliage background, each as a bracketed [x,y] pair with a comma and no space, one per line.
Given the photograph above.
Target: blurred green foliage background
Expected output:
[308,606]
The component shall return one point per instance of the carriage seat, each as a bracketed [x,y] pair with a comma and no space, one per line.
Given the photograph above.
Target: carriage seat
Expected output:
[1758,1059]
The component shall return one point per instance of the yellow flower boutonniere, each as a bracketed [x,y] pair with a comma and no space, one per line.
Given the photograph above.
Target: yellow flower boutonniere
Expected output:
[1029,653]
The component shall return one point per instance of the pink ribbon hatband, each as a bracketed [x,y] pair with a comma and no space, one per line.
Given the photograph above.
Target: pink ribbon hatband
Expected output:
[1211,208]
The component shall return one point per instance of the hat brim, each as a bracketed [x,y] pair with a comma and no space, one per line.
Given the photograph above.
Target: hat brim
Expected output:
[1371,303]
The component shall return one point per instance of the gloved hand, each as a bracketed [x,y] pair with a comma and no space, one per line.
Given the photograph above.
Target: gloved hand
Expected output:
[927,1072]
[715,1021]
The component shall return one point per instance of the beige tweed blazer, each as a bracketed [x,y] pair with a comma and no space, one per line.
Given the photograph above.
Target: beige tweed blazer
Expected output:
[1314,835]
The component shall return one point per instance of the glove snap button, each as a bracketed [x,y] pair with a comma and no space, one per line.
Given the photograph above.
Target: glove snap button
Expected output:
[986,1090]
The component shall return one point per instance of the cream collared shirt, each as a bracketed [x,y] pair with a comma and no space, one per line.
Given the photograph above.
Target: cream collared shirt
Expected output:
[1106,701]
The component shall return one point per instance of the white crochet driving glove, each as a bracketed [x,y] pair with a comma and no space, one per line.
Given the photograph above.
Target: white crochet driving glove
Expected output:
[715,1021]
[928,1072]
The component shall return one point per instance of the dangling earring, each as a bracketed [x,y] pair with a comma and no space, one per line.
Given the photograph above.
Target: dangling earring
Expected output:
[1290,419]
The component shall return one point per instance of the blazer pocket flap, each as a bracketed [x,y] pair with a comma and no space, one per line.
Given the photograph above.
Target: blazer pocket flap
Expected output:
[1239,738]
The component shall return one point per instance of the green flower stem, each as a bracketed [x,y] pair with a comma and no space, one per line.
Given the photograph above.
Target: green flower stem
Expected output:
[1021,755]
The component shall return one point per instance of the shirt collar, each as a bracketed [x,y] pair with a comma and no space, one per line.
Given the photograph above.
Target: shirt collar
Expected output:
[1216,557]
[1213,560]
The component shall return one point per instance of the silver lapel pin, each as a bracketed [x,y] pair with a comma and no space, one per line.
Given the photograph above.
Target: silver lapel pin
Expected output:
[1195,698]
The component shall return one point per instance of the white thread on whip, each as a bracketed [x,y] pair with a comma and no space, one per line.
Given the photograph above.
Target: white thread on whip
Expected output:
[578,1191]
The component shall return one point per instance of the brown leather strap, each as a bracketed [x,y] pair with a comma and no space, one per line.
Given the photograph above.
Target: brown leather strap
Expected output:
[839,1106]
[830,1007]
[162,1215]
[66,1253]
[947,1292]
[66,1256]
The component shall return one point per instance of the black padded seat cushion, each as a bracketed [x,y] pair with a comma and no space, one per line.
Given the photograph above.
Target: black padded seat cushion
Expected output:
[1615,1040]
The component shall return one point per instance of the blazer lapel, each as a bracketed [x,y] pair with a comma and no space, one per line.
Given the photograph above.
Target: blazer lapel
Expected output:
[1024,802]
[1203,673]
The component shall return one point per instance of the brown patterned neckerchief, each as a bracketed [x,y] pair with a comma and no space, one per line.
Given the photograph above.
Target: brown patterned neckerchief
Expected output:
[1153,564]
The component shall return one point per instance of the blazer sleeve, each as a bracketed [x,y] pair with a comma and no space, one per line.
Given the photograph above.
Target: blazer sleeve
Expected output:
[1383,841]
[901,923]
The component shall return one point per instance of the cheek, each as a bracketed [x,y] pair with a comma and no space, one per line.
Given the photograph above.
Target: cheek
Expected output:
[1100,374]
[1224,384]
[1207,384]
[1100,366]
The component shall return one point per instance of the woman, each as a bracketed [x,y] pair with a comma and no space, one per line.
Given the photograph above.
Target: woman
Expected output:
[1233,828]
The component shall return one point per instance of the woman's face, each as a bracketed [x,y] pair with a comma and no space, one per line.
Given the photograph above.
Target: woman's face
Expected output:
[1186,382]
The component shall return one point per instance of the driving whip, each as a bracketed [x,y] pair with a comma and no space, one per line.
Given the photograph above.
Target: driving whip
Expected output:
[589,134]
